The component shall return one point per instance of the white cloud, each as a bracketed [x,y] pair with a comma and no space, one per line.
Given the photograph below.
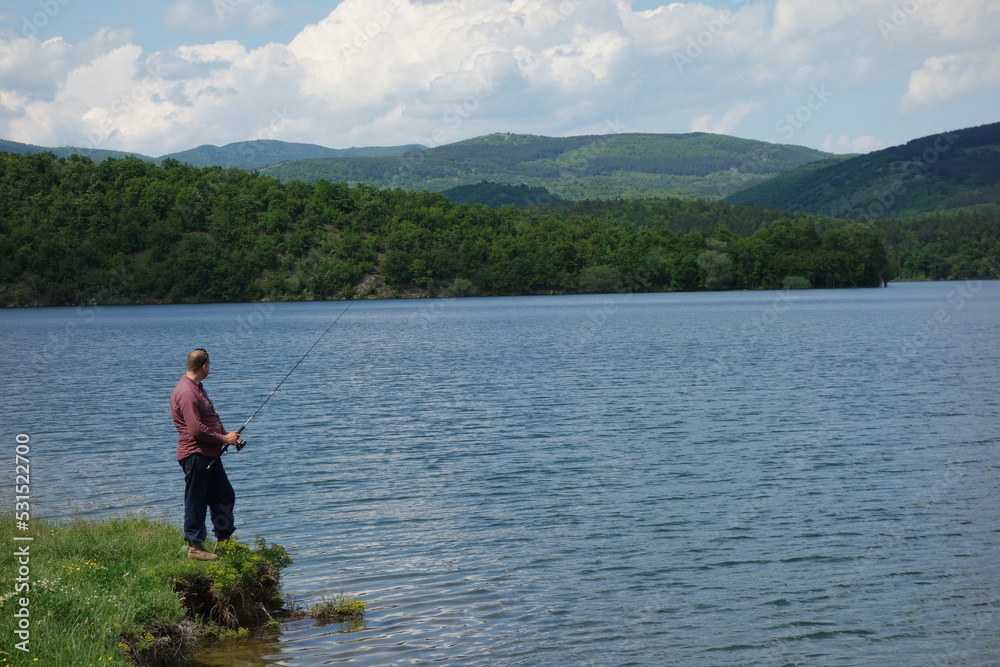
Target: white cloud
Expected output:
[957,24]
[944,77]
[109,79]
[846,144]
[729,121]
[35,67]
[431,71]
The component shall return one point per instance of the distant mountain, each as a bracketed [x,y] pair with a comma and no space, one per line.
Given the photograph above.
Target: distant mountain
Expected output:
[495,195]
[252,155]
[247,155]
[942,172]
[583,167]
[95,154]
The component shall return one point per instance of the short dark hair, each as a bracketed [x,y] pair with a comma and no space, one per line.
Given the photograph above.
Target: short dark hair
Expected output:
[196,359]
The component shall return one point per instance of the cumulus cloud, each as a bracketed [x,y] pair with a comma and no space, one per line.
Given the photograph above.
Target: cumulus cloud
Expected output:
[37,68]
[941,78]
[75,105]
[434,71]
[729,121]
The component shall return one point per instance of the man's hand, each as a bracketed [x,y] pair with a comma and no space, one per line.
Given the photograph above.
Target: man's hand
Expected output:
[231,438]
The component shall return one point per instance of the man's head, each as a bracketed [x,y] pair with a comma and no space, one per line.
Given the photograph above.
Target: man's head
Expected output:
[197,364]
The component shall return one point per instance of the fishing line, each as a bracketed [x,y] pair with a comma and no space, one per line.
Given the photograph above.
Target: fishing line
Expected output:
[240,444]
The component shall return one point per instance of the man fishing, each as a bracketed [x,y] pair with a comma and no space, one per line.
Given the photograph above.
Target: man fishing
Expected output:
[200,441]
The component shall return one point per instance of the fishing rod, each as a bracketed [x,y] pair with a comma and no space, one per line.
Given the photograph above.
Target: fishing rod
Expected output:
[240,444]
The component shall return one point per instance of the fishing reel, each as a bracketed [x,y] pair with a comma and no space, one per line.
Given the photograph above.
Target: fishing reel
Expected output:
[240,444]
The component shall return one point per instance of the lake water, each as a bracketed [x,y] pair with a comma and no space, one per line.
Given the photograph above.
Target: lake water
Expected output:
[739,478]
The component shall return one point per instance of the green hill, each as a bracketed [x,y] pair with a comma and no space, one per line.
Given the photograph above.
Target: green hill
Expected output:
[630,166]
[96,154]
[950,171]
[500,194]
[247,155]
[252,155]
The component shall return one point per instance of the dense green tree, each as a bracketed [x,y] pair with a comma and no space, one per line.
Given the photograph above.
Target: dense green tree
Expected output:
[125,231]
[714,265]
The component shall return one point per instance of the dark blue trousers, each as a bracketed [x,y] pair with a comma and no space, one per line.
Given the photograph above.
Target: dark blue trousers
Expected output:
[207,488]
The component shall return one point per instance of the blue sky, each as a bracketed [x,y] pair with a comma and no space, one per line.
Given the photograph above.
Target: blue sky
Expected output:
[157,77]
[75,20]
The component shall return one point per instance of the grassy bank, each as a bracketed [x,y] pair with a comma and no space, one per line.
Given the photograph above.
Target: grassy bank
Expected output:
[122,592]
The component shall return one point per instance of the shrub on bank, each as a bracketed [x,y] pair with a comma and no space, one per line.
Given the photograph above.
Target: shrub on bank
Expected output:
[338,608]
[796,282]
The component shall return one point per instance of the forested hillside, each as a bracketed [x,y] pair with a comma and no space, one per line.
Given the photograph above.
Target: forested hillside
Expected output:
[243,154]
[935,247]
[96,154]
[943,172]
[495,195]
[262,153]
[127,231]
[945,247]
[585,167]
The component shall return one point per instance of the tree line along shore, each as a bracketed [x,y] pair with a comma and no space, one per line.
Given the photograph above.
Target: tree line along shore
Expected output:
[122,592]
[125,231]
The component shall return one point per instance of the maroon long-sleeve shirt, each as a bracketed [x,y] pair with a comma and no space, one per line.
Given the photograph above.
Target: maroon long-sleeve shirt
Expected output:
[199,427]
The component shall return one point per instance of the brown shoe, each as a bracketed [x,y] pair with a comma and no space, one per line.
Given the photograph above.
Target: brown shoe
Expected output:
[196,551]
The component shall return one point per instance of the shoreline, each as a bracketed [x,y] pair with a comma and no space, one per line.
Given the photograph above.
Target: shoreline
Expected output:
[414,295]
[122,592]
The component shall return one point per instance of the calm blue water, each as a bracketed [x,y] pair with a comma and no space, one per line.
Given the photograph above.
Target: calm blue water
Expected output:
[753,478]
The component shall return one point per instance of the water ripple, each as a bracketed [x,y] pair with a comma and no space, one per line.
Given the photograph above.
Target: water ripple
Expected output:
[505,482]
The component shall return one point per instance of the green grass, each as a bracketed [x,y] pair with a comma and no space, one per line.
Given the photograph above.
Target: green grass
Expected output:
[338,608]
[90,585]
[100,592]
